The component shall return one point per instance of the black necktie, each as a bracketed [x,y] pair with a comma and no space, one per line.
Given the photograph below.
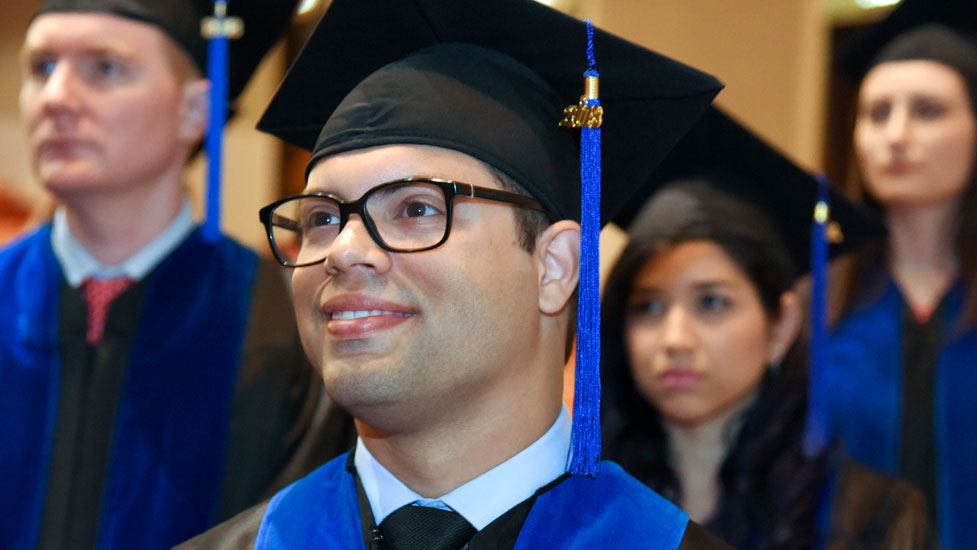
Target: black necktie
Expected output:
[422,528]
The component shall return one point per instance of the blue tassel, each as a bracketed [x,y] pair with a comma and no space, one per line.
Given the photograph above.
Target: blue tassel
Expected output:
[815,435]
[217,61]
[585,454]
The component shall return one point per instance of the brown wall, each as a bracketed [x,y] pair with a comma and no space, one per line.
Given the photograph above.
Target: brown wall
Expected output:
[15,174]
[771,54]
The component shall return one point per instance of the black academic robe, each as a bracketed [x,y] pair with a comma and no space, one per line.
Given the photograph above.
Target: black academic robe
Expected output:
[328,509]
[197,403]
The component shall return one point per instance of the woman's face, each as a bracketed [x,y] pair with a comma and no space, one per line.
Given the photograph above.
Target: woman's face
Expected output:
[915,133]
[697,336]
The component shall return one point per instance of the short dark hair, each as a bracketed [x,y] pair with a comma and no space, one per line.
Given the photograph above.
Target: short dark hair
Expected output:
[530,223]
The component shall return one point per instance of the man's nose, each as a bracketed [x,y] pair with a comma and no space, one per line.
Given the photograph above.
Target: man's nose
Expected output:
[62,89]
[354,248]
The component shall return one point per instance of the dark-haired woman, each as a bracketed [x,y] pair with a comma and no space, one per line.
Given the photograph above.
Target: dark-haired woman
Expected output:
[705,389]
[903,357]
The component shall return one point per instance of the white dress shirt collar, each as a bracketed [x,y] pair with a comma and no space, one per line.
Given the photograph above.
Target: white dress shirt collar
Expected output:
[78,264]
[483,499]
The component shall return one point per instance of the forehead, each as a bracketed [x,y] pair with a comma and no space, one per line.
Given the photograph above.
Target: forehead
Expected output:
[688,262]
[912,76]
[351,173]
[82,31]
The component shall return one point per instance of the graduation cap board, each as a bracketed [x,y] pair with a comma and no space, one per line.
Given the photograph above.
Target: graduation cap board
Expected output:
[212,33]
[938,30]
[721,179]
[491,79]
[737,161]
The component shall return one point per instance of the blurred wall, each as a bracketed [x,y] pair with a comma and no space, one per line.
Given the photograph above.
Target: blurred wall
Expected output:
[15,174]
[771,54]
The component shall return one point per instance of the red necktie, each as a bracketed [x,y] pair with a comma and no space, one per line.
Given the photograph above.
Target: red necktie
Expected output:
[99,294]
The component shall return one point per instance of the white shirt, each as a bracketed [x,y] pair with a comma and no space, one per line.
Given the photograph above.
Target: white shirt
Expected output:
[78,264]
[483,499]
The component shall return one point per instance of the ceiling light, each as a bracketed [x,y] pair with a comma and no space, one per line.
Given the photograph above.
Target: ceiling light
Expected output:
[869,4]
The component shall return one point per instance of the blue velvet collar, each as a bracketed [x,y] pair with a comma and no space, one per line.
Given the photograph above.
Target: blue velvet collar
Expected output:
[322,511]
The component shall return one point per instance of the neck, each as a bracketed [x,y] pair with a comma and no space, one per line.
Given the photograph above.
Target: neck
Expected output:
[922,257]
[440,453]
[113,225]
[697,454]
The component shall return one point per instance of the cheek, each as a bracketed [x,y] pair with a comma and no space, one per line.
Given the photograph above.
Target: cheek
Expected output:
[32,112]
[870,152]
[490,269]
[864,140]
[27,103]
[739,349]
[738,361]
[640,343]
[149,119]
[952,154]
[305,284]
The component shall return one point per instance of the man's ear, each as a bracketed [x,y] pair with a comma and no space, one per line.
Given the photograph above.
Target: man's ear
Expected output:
[558,256]
[785,328]
[195,111]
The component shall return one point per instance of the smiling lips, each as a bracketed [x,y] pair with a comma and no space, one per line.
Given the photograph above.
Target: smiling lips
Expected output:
[351,317]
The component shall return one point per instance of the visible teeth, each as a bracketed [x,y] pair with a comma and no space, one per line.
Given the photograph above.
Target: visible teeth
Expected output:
[359,314]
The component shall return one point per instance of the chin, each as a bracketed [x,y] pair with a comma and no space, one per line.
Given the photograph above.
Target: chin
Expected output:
[686,415]
[685,420]
[901,192]
[352,382]
[911,199]
[67,180]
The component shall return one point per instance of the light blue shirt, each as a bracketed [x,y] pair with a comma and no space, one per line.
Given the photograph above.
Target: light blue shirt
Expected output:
[78,264]
[483,499]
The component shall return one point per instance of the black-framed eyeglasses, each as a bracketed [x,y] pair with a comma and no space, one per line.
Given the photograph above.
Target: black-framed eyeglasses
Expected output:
[407,215]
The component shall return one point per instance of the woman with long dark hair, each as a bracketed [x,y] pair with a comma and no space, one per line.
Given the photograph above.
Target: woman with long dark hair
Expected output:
[705,383]
[902,356]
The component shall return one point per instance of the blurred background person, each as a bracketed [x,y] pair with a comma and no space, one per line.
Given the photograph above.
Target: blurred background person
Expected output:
[151,379]
[705,383]
[902,354]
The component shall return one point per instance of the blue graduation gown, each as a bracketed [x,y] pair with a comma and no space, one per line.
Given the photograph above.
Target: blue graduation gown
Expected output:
[864,373]
[195,401]
[322,511]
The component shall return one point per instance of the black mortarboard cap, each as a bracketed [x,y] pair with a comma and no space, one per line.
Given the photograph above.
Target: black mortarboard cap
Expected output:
[489,79]
[729,158]
[265,21]
[958,16]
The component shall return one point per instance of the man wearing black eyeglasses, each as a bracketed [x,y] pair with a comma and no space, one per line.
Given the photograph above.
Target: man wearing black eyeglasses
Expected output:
[436,255]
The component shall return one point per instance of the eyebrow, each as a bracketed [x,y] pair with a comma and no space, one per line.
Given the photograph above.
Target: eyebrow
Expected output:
[701,285]
[325,188]
[117,49]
